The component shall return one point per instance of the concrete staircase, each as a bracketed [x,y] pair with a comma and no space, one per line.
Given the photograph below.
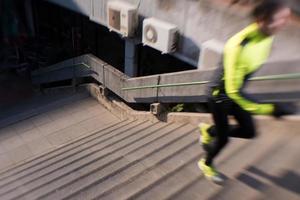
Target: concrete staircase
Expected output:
[70,147]
[135,159]
[45,122]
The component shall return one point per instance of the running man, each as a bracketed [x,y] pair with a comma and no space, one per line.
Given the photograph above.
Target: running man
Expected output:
[244,54]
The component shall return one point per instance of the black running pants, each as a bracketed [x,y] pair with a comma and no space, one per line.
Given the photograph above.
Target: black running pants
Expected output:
[222,130]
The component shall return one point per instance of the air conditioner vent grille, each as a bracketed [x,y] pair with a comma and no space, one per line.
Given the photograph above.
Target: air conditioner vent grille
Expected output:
[114,19]
[150,34]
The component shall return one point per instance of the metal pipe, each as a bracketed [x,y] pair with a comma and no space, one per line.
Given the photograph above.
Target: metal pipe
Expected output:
[260,78]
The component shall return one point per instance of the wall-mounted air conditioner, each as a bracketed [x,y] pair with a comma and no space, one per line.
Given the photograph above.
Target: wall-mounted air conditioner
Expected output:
[122,17]
[160,35]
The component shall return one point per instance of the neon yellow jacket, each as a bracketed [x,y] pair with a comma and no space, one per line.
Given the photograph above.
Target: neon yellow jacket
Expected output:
[244,53]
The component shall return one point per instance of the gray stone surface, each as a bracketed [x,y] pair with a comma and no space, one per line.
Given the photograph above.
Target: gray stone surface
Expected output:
[198,21]
[116,81]
[148,94]
[146,160]
[19,153]
[57,122]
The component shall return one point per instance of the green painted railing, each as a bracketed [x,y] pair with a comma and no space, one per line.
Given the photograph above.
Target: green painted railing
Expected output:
[260,78]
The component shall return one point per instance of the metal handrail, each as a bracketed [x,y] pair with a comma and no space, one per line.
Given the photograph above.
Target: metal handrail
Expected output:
[96,68]
[260,78]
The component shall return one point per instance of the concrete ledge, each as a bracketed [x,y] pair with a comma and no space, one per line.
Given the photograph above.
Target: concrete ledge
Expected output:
[114,80]
[196,118]
[122,111]
[117,107]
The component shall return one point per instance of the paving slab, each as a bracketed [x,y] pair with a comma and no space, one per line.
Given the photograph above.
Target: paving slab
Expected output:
[60,123]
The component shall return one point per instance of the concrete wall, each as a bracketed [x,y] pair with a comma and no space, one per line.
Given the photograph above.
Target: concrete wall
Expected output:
[80,6]
[115,81]
[198,22]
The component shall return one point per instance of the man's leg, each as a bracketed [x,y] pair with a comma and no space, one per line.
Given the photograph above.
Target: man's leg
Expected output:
[219,130]
[244,129]
[246,125]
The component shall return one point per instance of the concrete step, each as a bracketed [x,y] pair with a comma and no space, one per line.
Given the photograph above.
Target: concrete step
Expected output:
[145,180]
[53,160]
[49,156]
[112,150]
[71,164]
[53,123]
[275,174]
[37,105]
[268,144]
[173,173]
[57,121]
[133,164]
[136,159]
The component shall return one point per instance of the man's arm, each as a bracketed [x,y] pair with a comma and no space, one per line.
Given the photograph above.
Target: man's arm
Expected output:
[234,77]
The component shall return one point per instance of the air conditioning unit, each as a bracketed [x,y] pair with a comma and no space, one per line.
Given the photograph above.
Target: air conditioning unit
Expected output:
[122,17]
[160,35]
